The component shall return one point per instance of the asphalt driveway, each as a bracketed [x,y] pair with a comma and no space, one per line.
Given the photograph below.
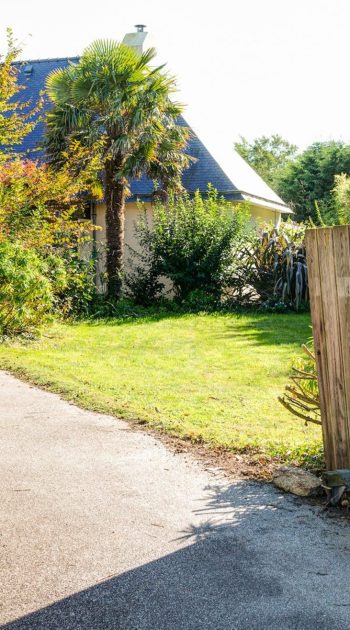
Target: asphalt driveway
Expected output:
[103,528]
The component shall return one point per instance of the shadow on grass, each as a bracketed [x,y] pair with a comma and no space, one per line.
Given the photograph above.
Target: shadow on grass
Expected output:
[243,568]
[133,318]
[270,330]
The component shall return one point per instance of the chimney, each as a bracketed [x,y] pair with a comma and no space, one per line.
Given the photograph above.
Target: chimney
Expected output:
[137,39]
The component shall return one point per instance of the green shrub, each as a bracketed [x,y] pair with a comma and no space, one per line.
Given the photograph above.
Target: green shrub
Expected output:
[26,294]
[270,269]
[190,243]
[200,300]
[39,212]
[75,295]
[143,282]
[33,286]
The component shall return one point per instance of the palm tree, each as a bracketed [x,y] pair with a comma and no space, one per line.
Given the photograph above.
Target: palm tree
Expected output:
[114,100]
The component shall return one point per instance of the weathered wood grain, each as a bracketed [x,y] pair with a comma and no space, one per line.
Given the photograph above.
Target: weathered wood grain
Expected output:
[328,256]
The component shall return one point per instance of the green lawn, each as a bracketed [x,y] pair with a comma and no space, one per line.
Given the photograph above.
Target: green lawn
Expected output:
[210,377]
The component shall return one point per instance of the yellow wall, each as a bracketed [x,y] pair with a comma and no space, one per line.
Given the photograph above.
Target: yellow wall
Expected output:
[132,212]
[265,215]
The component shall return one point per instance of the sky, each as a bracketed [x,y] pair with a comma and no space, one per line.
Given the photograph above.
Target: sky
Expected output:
[244,67]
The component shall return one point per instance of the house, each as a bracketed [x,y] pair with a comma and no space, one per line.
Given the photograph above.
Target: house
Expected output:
[218,165]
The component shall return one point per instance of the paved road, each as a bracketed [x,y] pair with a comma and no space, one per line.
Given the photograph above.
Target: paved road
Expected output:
[103,528]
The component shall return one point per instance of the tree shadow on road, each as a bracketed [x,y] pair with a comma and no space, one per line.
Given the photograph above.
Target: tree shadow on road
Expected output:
[232,573]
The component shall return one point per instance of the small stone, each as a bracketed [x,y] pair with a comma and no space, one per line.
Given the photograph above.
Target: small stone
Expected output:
[297,481]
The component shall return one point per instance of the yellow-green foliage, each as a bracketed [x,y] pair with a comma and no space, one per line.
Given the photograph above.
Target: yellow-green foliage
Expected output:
[342,196]
[39,206]
[26,294]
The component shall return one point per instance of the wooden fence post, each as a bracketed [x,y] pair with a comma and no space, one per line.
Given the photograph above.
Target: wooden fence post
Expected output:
[328,258]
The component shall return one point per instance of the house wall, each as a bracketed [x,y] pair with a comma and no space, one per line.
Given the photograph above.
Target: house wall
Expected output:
[265,215]
[132,213]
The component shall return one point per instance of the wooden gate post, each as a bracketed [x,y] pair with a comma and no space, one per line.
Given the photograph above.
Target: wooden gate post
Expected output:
[328,258]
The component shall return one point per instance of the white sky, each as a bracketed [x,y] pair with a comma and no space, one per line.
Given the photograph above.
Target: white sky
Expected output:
[248,67]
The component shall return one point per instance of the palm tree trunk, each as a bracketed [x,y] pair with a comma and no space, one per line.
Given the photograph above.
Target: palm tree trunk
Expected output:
[115,218]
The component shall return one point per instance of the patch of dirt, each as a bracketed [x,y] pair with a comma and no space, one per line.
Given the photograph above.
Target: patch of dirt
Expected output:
[249,465]
[252,464]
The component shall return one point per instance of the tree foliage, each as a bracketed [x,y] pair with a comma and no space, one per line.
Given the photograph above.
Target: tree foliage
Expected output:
[307,183]
[41,212]
[341,193]
[40,207]
[267,155]
[114,96]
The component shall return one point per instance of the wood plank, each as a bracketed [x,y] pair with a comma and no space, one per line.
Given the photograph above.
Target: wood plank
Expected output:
[331,330]
[318,329]
[341,249]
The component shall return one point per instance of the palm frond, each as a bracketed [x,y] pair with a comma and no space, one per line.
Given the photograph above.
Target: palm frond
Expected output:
[112,93]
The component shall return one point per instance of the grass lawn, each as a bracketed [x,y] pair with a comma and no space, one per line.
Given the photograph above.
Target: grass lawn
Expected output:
[214,378]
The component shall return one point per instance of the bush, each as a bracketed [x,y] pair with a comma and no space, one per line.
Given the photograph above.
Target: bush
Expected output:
[26,294]
[32,286]
[75,295]
[199,300]
[190,243]
[44,211]
[270,269]
[143,282]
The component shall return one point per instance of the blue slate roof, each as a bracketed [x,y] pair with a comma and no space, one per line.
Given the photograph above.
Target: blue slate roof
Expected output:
[203,171]
[32,75]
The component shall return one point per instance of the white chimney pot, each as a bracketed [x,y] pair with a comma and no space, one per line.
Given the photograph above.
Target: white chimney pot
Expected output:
[140,40]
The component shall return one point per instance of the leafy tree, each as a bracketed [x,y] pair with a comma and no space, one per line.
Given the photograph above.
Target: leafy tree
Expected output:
[40,236]
[341,193]
[307,183]
[39,206]
[18,117]
[42,211]
[267,155]
[114,95]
